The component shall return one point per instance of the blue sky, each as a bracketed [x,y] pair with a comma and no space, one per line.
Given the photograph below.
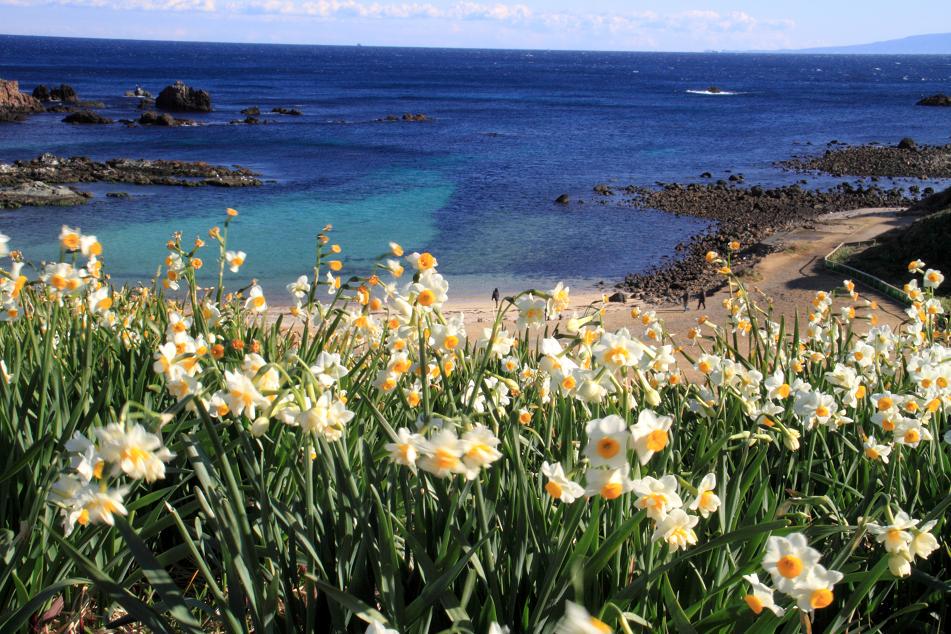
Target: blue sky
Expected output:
[669,25]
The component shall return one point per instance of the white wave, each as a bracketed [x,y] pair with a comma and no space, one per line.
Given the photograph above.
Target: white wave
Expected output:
[708,92]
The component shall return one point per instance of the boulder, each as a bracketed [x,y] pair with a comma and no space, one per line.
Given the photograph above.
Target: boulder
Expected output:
[907,144]
[935,100]
[117,194]
[86,116]
[409,116]
[64,93]
[181,98]
[42,93]
[563,199]
[14,101]
[246,121]
[714,90]
[163,119]
[294,112]
[603,189]
[252,111]
[617,298]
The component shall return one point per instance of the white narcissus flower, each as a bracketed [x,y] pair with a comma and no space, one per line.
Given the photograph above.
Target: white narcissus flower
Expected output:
[299,288]
[933,278]
[431,290]
[256,301]
[235,259]
[707,501]
[657,497]
[559,487]
[479,445]
[578,620]
[531,311]
[608,442]
[677,530]
[406,449]
[135,451]
[608,483]
[761,597]
[875,451]
[442,455]
[376,627]
[650,434]
[618,350]
[897,535]
[241,396]
[788,560]
[328,369]
[814,592]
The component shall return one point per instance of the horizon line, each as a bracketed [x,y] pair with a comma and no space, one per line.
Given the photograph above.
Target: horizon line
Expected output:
[488,48]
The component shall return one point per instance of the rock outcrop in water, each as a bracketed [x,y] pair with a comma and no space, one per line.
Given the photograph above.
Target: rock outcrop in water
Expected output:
[86,117]
[936,100]
[904,160]
[181,98]
[16,105]
[745,214]
[28,182]
[40,194]
[293,112]
[163,119]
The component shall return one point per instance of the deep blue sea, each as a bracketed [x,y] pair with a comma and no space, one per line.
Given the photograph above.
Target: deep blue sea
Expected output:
[509,132]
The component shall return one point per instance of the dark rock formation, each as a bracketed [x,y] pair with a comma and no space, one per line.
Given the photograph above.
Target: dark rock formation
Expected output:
[907,143]
[163,119]
[252,111]
[925,161]
[245,121]
[40,194]
[41,93]
[64,93]
[117,194]
[617,297]
[86,116]
[563,199]
[407,116]
[747,215]
[181,98]
[935,100]
[79,169]
[16,105]
[294,112]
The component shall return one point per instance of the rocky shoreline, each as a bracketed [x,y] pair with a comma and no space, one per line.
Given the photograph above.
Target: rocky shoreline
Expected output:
[747,215]
[30,182]
[907,159]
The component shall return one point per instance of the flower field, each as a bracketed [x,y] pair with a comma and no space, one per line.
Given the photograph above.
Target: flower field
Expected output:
[181,458]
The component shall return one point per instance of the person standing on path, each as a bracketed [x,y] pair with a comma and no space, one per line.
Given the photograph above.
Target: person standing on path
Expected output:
[495,298]
[686,299]
[702,299]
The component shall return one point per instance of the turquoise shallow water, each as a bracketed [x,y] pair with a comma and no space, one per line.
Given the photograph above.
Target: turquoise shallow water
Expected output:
[509,131]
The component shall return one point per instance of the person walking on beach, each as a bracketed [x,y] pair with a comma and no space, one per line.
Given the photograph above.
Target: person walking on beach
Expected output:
[686,298]
[702,299]
[495,298]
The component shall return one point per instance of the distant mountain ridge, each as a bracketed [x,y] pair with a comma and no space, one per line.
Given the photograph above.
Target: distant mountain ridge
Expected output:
[930,44]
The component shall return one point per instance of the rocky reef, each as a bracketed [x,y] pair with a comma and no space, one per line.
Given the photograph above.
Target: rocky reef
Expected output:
[907,159]
[745,214]
[30,182]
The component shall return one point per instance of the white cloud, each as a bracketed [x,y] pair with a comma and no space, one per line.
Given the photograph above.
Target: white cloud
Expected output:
[690,29]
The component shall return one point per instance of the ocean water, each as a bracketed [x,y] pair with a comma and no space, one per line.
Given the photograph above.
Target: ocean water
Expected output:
[509,132]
